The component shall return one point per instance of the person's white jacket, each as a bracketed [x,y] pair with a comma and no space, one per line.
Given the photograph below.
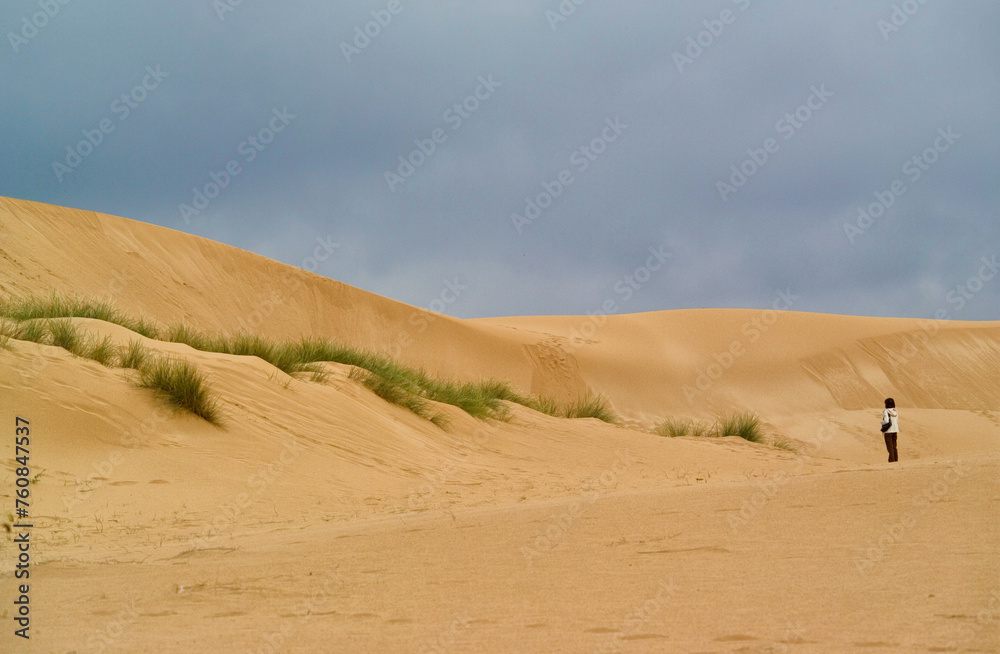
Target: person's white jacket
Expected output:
[890,416]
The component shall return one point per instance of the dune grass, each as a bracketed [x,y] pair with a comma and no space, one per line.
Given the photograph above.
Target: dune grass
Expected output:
[546,405]
[8,329]
[57,305]
[393,381]
[63,333]
[783,443]
[32,330]
[592,407]
[744,424]
[392,391]
[181,333]
[46,320]
[674,427]
[102,350]
[181,385]
[134,355]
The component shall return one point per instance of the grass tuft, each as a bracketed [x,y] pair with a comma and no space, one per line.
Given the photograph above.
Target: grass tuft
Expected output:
[592,407]
[482,400]
[33,330]
[783,443]
[745,424]
[181,385]
[66,335]
[181,333]
[103,351]
[57,305]
[673,427]
[7,332]
[393,392]
[546,405]
[134,355]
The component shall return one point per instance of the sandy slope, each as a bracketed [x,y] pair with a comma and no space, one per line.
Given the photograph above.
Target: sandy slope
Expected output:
[322,519]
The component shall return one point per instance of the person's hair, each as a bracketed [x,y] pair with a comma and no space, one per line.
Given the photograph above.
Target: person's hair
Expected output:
[890,403]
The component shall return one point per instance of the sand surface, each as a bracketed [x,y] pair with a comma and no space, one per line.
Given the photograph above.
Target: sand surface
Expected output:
[319,518]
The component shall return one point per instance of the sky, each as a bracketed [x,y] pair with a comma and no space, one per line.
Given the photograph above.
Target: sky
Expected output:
[536,157]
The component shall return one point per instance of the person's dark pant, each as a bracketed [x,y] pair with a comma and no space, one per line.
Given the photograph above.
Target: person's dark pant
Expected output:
[890,444]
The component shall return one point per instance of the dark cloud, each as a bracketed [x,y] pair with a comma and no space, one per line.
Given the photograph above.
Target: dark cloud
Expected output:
[548,92]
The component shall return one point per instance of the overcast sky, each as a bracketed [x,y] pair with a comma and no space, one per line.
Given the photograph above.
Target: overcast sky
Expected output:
[546,146]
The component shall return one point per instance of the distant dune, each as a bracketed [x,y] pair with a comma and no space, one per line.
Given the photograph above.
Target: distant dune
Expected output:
[322,518]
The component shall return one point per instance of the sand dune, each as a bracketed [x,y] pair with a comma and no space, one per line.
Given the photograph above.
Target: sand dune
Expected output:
[321,518]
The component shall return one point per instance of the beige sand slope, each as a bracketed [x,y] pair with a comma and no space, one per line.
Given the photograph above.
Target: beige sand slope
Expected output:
[321,518]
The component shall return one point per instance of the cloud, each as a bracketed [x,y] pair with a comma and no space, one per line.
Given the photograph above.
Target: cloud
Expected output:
[557,83]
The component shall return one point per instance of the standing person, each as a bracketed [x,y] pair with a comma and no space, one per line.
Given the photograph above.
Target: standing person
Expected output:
[890,428]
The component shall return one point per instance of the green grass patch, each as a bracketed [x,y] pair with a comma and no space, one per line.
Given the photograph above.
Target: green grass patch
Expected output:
[57,305]
[134,355]
[482,400]
[181,385]
[592,407]
[393,381]
[744,424]
[66,335]
[673,427]
[181,333]
[32,330]
[7,331]
[103,351]
[783,443]
[546,405]
[393,392]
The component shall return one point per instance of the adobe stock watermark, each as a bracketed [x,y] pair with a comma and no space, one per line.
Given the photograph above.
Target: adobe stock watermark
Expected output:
[787,126]
[580,160]
[898,17]
[223,7]
[124,619]
[959,296]
[876,550]
[421,320]
[322,252]
[639,616]
[33,24]
[310,606]
[914,169]
[714,28]
[769,487]
[365,34]
[751,332]
[966,633]
[250,148]
[257,483]
[562,13]
[101,471]
[445,640]
[625,288]
[454,117]
[122,107]
[559,525]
